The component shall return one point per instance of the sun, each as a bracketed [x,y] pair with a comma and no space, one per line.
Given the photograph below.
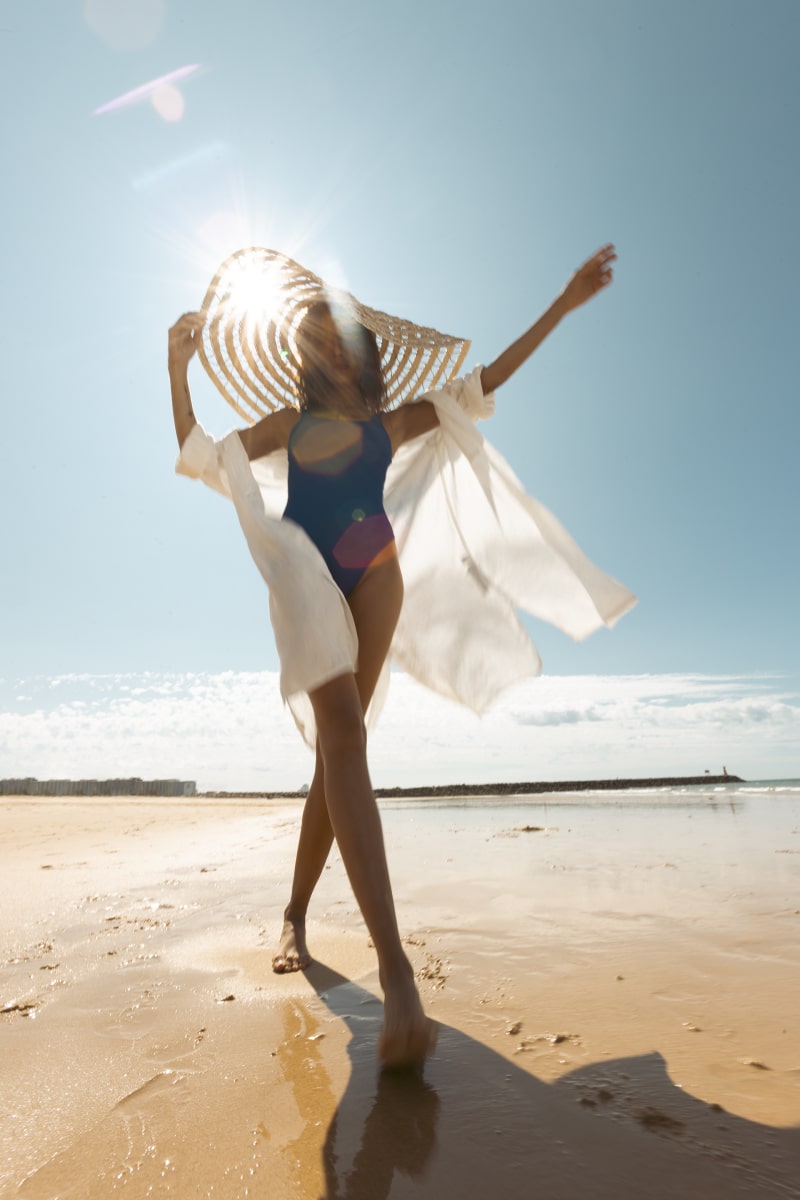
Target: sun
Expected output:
[253,292]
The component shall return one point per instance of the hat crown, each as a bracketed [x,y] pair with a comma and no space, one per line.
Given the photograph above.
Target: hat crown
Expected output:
[254,305]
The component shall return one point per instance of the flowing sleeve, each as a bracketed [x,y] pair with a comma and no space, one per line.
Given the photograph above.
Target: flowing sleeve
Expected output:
[474,548]
[199,459]
[314,631]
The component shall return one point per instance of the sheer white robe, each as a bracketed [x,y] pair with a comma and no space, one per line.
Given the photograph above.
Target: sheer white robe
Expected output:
[473,547]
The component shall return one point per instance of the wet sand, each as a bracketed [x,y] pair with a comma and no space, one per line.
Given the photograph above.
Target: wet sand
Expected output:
[616,980]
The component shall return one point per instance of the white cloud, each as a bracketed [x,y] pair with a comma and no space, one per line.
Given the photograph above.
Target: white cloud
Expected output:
[230,730]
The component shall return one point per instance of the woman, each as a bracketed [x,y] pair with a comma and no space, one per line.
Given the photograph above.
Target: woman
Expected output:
[340,444]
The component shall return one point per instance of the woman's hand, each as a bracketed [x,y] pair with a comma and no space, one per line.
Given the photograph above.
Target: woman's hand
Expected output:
[595,274]
[184,338]
[588,280]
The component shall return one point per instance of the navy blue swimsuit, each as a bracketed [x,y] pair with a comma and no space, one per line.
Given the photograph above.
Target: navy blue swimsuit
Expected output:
[337,469]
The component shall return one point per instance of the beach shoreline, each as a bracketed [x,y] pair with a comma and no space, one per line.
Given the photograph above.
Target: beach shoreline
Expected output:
[613,983]
[175,788]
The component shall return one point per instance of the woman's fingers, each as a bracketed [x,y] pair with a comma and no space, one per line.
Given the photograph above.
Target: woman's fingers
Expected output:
[595,274]
[190,323]
[606,254]
[598,270]
[184,335]
[601,260]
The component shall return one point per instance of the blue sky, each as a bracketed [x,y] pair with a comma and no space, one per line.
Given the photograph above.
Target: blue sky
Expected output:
[451,163]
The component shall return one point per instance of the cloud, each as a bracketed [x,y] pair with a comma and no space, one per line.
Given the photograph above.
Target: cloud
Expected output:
[230,730]
[565,716]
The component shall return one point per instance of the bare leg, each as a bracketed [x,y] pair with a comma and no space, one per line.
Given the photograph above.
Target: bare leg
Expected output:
[341,779]
[407,1035]
[375,605]
[316,838]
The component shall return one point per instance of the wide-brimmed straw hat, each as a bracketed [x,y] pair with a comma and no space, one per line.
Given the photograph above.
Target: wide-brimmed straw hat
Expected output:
[253,307]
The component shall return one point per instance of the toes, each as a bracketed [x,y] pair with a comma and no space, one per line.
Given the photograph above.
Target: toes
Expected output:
[284,963]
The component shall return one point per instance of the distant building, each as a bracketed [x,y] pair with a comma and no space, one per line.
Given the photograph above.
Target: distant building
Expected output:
[98,787]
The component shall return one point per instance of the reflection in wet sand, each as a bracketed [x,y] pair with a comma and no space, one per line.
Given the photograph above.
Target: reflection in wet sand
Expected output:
[477,1125]
[385,1124]
[301,1062]
[398,1138]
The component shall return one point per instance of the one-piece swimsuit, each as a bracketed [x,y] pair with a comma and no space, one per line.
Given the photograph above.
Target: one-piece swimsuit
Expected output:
[337,471]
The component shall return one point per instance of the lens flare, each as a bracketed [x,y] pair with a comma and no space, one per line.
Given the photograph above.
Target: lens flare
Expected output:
[212,155]
[168,102]
[148,90]
[123,25]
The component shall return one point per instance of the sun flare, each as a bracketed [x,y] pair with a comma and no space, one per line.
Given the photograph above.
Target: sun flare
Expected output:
[254,293]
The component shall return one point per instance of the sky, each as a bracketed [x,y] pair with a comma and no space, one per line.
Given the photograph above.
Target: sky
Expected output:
[450,163]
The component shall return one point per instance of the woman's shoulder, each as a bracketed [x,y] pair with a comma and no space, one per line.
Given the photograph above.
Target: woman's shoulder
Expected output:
[271,433]
[408,421]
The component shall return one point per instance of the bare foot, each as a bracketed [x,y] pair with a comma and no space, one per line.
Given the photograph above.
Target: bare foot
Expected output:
[292,951]
[408,1036]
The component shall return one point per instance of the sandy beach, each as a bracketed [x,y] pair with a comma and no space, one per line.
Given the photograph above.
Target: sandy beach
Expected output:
[615,978]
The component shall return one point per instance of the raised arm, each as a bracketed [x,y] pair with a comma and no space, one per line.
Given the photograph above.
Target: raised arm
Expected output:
[595,274]
[183,339]
[271,433]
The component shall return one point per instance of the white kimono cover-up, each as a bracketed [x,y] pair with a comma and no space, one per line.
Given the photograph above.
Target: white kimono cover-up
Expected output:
[473,546]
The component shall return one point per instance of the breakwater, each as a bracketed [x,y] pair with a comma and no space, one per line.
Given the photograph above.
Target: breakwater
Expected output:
[561,785]
[507,789]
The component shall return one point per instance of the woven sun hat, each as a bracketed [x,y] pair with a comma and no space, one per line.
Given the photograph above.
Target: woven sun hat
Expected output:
[253,307]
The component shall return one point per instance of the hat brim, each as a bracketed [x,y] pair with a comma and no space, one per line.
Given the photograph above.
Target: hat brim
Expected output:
[253,307]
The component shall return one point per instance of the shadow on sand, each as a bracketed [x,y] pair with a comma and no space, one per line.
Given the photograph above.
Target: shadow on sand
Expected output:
[478,1126]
